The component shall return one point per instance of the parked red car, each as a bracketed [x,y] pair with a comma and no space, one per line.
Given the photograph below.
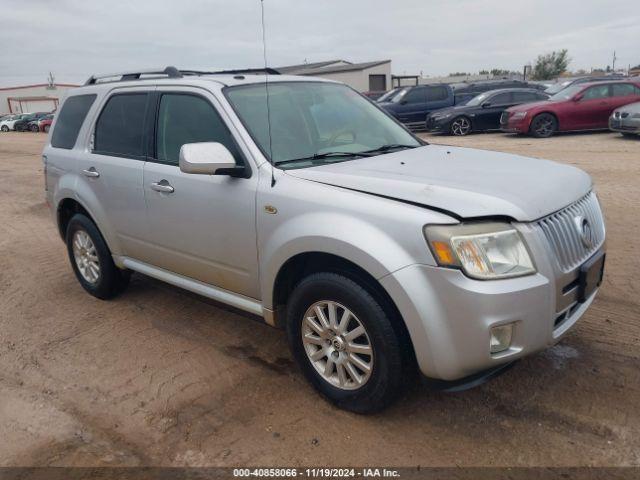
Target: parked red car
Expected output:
[584,106]
[45,124]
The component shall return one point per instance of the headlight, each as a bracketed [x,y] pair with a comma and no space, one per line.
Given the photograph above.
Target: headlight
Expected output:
[440,116]
[519,115]
[482,250]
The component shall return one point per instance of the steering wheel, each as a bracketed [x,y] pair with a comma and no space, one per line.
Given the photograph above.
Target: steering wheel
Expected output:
[335,136]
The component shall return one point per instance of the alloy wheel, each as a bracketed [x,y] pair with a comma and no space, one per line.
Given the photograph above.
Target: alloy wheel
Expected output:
[86,256]
[461,126]
[544,127]
[337,345]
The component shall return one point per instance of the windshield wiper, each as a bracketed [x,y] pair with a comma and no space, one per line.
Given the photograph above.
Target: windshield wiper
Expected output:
[390,146]
[320,156]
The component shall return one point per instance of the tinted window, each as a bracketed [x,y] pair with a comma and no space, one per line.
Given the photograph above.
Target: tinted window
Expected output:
[500,99]
[436,94]
[521,97]
[415,95]
[188,119]
[623,90]
[601,91]
[120,128]
[70,119]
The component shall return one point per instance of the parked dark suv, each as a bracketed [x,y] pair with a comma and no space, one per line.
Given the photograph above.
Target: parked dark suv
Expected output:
[411,105]
[482,112]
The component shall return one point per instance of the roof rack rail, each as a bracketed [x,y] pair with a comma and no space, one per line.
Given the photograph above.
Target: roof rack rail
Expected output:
[266,70]
[170,72]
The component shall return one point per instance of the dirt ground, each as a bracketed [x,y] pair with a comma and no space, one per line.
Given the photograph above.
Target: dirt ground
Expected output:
[163,377]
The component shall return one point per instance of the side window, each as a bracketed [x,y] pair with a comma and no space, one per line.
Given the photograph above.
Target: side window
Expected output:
[185,118]
[521,97]
[435,94]
[415,95]
[623,89]
[70,119]
[500,99]
[120,127]
[601,91]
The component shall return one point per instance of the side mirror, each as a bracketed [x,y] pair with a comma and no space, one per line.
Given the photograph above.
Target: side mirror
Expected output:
[486,104]
[206,158]
[578,97]
[403,102]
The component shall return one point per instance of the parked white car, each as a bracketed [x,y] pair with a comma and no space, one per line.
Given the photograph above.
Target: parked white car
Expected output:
[8,123]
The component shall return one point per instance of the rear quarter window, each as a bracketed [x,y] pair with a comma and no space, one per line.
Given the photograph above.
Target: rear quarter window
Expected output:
[70,119]
[120,127]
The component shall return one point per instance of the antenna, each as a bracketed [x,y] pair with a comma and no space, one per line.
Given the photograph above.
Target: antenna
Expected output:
[266,87]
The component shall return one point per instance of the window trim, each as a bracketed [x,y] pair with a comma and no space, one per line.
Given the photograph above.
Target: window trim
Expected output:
[152,131]
[108,98]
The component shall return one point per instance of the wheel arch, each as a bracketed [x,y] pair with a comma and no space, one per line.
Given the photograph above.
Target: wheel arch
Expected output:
[304,264]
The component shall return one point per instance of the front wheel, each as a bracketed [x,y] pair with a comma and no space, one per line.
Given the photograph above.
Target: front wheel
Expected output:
[344,342]
[460,126]
[91,259]
[46,128]
[543,125]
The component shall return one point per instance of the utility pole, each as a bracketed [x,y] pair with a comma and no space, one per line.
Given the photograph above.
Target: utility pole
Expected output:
[613,64]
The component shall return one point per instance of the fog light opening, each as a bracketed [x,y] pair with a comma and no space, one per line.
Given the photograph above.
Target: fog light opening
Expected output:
[501,338]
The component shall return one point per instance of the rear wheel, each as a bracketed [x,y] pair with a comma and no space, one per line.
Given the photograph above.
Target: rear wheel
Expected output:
[4,128]
[46,128]
[460,126]
[91,260]
[35,128]
[344,342]
[543,125]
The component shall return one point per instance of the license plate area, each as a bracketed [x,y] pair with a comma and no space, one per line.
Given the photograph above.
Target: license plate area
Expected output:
[590,278]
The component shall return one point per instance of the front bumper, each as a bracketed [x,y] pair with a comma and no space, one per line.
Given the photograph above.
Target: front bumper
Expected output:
[625,125]
[449,315]
[510,125]
[438,124]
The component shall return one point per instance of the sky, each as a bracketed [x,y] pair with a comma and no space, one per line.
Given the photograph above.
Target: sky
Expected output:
[74,39]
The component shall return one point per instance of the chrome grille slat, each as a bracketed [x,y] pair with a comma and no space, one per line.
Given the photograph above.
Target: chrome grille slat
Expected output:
[563,236]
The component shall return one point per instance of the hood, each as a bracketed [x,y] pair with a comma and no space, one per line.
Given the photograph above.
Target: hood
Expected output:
[464,181]
[454,109]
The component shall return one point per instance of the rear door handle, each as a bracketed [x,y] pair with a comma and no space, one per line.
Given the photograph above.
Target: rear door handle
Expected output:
[91,172]
[162,186]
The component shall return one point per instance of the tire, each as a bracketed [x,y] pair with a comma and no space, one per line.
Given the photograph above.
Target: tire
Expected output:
[46,128]
[543,125]
[381,385]
[4,128]
[35,128]
[460,126]
[109,280]
[630,135]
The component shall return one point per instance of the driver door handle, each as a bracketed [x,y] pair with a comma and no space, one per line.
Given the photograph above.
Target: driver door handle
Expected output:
[162,186]
[91,173]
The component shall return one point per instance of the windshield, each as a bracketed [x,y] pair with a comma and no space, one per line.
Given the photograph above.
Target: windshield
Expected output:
[388,96]
[566,93]
[314,123]
[553,89]
[478,99]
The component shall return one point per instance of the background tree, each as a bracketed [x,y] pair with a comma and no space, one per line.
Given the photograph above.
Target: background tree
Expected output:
[551,65]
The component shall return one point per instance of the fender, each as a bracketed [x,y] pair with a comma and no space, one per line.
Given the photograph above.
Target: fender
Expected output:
[372,248]
[70,186]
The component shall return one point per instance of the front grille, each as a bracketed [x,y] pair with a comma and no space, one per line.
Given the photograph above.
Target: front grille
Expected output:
[563,232]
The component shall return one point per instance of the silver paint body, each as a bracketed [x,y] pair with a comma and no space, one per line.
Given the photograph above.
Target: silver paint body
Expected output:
[213,235]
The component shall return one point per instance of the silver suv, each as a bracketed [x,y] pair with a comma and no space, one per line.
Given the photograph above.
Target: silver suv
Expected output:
[299,200]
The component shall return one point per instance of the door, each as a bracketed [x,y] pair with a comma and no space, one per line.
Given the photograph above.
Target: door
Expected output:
[591,111]
[114,169]
[438,96]
[413,106]
[488,117]
[200,226]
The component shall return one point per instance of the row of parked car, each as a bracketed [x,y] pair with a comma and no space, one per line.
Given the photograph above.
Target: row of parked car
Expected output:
[518,107]
[26,122]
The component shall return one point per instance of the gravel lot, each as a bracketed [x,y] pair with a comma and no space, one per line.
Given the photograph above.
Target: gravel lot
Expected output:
[163,377]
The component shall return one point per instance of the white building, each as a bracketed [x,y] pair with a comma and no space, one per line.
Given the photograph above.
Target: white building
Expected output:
[364,77]
[43,97]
